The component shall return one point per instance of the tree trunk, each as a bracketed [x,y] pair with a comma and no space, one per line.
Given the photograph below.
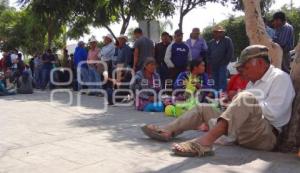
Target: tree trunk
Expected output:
[125,25]
[110,31]
[290,138]
[181,15]
[180,22]
[256,31]
[49,33]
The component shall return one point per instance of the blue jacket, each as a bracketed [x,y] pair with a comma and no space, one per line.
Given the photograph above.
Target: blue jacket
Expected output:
[80,55]
[180,54]
[220,53]
[183,76]
[125,56]
[199,49]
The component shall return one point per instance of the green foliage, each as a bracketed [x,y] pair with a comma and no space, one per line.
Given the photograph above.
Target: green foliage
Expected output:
[54,15]
[264,4]
[8,20]
[103,13]
[4,4]
[24,30]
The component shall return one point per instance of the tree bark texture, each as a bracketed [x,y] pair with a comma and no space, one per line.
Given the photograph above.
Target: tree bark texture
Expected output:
[289,140]
[256,31]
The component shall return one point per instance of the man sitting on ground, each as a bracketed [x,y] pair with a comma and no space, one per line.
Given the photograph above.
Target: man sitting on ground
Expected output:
[254,118]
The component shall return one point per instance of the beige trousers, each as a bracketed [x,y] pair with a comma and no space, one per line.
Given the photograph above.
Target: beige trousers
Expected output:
[245,122]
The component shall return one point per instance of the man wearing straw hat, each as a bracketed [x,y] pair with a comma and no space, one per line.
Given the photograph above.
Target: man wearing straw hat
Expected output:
[93,57]
[220,53]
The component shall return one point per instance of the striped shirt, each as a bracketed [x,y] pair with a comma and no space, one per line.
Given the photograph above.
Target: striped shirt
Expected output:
[285,37]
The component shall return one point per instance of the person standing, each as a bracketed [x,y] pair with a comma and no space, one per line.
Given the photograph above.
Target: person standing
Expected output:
[284,36]
[270,31]
[80,58]
[177,56]
[124,58]
[107,56]
[93,63]
[220,53]
[197,45]
[159,55]
[38,64]
[143,49]
[108,52]
[48,60]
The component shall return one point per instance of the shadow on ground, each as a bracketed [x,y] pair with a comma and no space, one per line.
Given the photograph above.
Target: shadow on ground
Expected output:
[123,125]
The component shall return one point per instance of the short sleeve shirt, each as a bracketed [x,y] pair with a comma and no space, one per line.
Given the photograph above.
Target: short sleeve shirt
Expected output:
[145,47]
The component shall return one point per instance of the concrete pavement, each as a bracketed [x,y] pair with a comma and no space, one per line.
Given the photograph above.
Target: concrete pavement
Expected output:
[37,135]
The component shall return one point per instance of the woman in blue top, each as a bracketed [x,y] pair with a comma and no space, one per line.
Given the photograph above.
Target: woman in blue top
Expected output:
[194,79]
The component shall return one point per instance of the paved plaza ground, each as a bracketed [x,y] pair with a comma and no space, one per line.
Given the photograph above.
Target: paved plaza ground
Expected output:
[37,135]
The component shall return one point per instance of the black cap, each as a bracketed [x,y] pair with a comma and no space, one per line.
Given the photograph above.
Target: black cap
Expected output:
[178,32]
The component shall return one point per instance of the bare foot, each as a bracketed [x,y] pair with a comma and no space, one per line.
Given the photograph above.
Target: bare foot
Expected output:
[178,148]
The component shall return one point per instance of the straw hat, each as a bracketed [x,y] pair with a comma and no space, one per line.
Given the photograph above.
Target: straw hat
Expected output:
[218,29]
[92,39]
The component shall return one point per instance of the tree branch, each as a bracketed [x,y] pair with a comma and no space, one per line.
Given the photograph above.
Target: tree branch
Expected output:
[122,10]
[110,31]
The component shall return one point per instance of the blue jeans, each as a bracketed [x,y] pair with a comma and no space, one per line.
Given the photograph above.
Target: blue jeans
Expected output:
[82,77]
[94,77]
[45,76]
[38,77]
[219,75]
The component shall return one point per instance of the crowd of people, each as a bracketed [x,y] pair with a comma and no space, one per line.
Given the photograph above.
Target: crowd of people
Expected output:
[173,61]
[189,72]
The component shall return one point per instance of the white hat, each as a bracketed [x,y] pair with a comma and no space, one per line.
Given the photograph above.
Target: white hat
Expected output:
[124,37]
[109,36]
[92,39]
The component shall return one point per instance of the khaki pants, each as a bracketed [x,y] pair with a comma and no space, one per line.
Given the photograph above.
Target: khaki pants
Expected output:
[245,122]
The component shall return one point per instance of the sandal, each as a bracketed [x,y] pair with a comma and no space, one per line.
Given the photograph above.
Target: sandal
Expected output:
[193,149]
[155,133]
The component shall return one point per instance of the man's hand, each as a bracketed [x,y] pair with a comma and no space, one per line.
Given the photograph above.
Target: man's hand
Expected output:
[224,103]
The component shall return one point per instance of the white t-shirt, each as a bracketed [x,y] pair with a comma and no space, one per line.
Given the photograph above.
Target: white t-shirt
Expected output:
[14,60]
[193,41]
[275,94]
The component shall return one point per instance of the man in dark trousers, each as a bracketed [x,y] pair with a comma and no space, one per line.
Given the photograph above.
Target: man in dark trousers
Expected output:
[159,55]
[220,53]
[177,56]
[284,36]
